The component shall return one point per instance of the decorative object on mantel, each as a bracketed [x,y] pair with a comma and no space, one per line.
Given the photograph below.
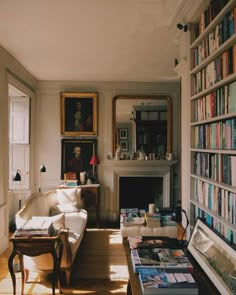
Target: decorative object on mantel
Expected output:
[117,153]
[94,161]
[41,170]
[17,177]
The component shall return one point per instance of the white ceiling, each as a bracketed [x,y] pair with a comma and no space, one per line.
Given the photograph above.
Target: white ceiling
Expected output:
[91,40]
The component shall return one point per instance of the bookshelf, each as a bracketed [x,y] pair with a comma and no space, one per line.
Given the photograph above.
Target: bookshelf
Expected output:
[213,118]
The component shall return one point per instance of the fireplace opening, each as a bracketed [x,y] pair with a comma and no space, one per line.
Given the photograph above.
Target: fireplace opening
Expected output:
[140,191]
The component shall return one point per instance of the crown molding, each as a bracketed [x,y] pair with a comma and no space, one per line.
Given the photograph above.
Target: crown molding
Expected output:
[188,11]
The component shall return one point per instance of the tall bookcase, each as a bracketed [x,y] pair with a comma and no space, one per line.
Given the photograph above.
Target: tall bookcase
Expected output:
[213,118]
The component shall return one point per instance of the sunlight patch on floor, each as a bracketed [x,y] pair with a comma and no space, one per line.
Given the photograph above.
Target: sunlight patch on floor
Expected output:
[115,238]
[119,272]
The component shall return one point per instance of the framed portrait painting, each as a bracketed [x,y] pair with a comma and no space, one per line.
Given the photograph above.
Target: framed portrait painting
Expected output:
[76,155]
[79,113]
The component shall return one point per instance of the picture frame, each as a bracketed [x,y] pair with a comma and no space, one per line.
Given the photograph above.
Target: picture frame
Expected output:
[79,113]
[215,255]
[69,151]
[123,133]
[124,145]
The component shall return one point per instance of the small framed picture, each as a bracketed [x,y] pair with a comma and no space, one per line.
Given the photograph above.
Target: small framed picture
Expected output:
[124,145]
[123,133]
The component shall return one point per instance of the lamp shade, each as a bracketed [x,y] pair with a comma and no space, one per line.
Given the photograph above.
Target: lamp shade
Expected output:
[17,176]
[42,168]
[94,161]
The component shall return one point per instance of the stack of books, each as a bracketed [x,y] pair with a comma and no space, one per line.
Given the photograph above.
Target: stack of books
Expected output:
[153,220]
[36,226]
[131,217]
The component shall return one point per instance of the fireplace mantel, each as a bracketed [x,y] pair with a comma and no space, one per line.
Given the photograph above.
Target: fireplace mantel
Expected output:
[139,163]
[134,168]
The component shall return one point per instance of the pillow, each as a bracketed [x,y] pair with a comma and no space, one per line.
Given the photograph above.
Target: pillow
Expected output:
[68,196]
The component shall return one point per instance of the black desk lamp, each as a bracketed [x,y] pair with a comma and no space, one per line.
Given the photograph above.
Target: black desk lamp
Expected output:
[178,217]
[41,170]
[17,177]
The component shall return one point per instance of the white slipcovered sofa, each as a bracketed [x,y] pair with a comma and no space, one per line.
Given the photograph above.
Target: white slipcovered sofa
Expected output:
[64,208]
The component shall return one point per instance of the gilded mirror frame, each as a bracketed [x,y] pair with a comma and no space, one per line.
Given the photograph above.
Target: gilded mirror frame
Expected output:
[144,98]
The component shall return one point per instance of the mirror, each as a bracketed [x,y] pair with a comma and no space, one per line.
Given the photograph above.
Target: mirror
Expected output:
[142,123]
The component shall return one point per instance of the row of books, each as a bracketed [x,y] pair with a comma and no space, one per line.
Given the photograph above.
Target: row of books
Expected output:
[217,103]
[161,267]
[36,226]
[215,6]
[220,68]
[222,228]
[218,200]
[221,33]
[216,135]
[218,167]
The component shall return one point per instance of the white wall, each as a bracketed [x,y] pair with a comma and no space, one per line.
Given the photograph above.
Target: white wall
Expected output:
[12,71]
[48,140]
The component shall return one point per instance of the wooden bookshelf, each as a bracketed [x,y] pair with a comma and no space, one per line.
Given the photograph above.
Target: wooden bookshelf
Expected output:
[213,119]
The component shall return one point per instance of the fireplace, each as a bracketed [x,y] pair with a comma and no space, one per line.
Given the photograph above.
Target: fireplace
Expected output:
[138,186]
[140,191]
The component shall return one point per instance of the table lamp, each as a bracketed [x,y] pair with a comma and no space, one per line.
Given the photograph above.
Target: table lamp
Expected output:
[17,177]
[94,161]
[41,170]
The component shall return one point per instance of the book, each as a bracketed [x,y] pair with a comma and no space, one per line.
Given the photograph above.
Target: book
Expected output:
[161,257]
[167,281]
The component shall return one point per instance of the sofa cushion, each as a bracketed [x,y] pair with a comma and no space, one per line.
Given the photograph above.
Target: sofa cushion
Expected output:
[69,196]
[57,220]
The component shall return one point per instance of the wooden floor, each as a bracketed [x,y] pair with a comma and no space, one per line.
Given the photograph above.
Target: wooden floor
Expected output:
[41,284]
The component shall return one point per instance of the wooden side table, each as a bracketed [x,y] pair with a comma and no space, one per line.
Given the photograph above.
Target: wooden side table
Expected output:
[34,246]
[90,196]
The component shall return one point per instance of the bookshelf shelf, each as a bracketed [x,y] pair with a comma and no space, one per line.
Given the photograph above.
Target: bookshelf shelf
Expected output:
[219,84]
[213,121]
[215,183]
[213,214]
[227,44]
[215,151]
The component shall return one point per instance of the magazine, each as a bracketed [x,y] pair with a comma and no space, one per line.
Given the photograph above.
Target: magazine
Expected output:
[161,257]
[169,281]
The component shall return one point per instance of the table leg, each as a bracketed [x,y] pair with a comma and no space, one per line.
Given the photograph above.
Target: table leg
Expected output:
[22,273]
[11,270]
[56,268]
[129,290]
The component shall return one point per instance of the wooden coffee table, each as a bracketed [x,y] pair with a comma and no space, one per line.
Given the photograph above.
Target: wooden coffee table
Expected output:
[34,246]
